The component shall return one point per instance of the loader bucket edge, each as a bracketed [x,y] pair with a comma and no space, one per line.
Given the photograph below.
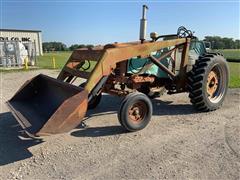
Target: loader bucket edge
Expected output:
[67,116]
[21,119]
[44,105]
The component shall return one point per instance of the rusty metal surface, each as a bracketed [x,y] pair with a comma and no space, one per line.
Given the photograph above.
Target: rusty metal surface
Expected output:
[137,112]
[67,116]
[183,66]
[110,55]
[142,79]
[48,106]
[163,56]
[212,83]
[114,55]
[164,68]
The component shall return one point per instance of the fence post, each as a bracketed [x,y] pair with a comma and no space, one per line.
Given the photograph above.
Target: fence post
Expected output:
[54,63]
[26,63]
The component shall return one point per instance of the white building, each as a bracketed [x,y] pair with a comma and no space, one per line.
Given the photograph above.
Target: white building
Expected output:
[23,36]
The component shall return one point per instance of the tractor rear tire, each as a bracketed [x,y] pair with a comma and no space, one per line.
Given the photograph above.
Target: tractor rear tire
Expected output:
[208,82]
[135,112]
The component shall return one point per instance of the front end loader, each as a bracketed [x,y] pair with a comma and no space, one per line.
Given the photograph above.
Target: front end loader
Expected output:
[138,71]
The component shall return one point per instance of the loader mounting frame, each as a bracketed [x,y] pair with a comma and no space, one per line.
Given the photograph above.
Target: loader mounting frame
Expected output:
[114,56]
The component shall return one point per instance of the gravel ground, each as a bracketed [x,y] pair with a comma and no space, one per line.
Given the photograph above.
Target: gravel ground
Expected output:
[179,143]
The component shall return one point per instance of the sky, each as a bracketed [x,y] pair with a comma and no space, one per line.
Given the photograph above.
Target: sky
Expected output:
[101,22]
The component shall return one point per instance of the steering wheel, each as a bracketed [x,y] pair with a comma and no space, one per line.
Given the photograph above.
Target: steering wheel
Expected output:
[182,32]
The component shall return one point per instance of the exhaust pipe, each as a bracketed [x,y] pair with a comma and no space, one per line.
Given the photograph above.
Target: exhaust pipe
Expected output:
[143,24]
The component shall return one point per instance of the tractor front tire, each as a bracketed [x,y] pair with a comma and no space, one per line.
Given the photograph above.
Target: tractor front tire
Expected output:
[135,112]
[208,82]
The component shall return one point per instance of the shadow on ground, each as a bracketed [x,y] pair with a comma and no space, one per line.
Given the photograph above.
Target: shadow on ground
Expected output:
[12,148]
[99,131]
[111,104]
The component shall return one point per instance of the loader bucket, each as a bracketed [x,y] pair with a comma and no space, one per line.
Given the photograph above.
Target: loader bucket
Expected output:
[45,106]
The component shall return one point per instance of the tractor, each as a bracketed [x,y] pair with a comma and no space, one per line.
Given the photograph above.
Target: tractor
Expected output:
[138,71]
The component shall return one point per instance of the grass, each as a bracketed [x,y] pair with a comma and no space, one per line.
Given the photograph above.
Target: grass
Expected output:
[45,61]
[231,53]
[234,75]
[234,67]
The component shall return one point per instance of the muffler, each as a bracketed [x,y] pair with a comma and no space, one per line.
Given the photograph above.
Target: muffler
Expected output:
[143,24]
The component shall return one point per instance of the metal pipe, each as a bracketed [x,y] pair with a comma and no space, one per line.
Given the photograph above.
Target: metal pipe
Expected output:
[143,24]
[161,66]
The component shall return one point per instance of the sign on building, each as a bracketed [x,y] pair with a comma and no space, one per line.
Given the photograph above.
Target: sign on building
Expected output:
[23,36]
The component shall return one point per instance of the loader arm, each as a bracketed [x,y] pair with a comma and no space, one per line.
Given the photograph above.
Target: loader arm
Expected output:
[106,58]
[112,56]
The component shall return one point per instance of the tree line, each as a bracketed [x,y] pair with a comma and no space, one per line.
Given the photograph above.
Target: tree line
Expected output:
[217,42]
[59,46]
[54,46]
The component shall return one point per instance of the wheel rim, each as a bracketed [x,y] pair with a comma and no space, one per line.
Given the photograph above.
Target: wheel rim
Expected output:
[216,82]
[137,112]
